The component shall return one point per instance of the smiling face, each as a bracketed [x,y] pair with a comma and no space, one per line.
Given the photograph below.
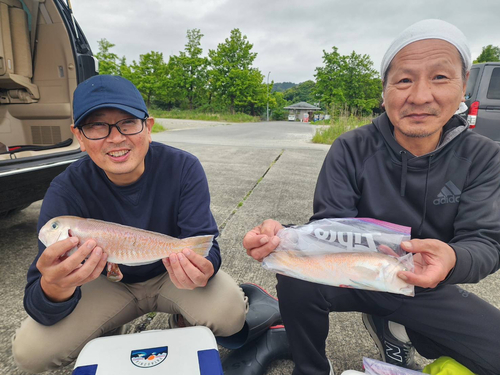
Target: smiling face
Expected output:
[120,157]
[423,89]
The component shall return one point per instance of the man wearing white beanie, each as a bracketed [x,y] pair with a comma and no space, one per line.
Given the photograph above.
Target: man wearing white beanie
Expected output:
[416,165]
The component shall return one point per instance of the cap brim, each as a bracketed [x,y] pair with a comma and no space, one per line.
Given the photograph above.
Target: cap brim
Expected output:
[133,111]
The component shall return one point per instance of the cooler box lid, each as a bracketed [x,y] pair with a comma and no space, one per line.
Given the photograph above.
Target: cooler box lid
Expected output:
[190,350]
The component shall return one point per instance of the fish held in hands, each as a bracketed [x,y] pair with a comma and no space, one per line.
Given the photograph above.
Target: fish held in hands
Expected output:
[369,271]
[123,244]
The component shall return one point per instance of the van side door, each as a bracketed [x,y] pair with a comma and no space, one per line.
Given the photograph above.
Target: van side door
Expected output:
[488,117]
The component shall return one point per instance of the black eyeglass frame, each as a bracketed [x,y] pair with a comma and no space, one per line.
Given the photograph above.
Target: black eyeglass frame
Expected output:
[110,126]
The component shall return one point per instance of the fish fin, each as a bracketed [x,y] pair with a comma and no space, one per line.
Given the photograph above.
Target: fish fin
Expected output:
[201,245]
[361,285]
[114,273]
[366,272]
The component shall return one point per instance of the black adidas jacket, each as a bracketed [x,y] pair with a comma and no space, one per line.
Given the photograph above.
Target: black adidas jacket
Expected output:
[451,194]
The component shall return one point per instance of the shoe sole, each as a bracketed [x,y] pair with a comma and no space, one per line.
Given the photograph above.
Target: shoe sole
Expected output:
[374,336]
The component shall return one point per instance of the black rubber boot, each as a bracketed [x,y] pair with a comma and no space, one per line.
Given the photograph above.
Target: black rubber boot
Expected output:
[254,357]
[263,312]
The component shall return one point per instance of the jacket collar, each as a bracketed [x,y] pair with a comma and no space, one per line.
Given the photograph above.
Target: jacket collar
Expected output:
[453,128]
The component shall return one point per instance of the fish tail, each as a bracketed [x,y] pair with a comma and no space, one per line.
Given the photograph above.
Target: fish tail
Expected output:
[201,245]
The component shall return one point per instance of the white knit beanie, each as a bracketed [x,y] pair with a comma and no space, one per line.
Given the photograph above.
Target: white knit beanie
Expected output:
[428,29]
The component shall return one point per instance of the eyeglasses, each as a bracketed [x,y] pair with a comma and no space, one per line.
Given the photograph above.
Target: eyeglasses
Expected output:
[101,130]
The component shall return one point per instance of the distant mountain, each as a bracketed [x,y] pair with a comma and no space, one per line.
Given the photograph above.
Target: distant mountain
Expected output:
[282,86]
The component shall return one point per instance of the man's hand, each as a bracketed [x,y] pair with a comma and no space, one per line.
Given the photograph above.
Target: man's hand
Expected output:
[433,262]
[62,274]
[188,270]
[262,240]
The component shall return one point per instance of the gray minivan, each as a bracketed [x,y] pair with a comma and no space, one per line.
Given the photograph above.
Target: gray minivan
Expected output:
[482,96]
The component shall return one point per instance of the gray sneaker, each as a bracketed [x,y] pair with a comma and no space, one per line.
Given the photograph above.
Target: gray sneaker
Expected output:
[392,350]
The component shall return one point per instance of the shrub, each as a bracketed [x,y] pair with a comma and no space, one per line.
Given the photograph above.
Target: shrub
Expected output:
[204,116]
[341,122]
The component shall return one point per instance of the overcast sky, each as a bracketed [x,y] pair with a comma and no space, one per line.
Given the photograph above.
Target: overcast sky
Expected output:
[288,35]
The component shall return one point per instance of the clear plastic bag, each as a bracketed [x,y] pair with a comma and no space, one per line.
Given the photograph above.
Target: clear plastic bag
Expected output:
[350,252]
[374,367]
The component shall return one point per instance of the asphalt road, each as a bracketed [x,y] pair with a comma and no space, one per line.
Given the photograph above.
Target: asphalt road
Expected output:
[274,166]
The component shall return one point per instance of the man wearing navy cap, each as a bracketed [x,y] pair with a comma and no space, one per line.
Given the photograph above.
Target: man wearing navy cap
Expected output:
[126,179]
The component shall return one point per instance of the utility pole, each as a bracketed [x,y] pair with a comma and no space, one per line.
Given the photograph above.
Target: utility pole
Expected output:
[267,111]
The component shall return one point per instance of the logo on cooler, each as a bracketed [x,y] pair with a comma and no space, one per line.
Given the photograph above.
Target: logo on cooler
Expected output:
[151,357]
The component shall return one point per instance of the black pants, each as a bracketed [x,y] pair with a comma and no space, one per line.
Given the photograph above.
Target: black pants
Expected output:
[446,321]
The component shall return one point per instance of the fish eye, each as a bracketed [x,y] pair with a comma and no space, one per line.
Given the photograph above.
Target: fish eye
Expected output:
[54,225]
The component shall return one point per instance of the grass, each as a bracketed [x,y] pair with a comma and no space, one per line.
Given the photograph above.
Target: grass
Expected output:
[157,128]
[320,122]
[195,115]
[339,125]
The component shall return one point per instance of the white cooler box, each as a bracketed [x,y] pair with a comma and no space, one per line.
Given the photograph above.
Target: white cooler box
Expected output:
[190,351]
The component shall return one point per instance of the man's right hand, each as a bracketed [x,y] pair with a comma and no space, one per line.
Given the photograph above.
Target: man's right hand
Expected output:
[62,274]
[262,240]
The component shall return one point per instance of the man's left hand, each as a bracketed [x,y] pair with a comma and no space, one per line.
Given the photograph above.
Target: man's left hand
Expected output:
[188,270]
[433,260]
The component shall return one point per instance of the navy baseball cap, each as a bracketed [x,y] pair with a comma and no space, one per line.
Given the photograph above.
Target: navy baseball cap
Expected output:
[107,91]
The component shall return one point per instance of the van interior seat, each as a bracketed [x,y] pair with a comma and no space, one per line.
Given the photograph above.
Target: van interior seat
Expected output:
[16,67]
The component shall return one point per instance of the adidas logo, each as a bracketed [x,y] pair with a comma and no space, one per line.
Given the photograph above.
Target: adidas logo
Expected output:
[449,194]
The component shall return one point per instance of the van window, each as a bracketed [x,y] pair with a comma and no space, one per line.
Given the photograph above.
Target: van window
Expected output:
[494,87]
[471,83]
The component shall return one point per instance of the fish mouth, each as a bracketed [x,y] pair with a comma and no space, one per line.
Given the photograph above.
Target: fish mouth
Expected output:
[42,239]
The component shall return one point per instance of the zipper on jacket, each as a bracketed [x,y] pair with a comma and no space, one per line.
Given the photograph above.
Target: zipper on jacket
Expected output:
[404,171]
[424,209]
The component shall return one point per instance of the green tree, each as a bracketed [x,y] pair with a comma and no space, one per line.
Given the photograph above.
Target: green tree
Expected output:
[490,53]
[283,86]
[188,73]
[234,84]
[107,60]
[348,80]
[248,91]
[303,92]
[277,103]
[149,76]
[124,69]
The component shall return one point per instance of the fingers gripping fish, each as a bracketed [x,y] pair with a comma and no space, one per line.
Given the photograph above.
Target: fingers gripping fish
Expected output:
[123,244]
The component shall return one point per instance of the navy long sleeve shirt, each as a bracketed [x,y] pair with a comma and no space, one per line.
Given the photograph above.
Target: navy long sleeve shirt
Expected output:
[171,197]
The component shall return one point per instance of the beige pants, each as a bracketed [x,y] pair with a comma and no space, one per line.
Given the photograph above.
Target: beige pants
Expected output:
[105,306]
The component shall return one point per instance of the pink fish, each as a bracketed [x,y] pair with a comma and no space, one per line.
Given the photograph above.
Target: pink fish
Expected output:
[361,270]
[123,244]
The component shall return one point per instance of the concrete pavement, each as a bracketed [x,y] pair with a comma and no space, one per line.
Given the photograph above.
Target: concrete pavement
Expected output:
[255,171]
